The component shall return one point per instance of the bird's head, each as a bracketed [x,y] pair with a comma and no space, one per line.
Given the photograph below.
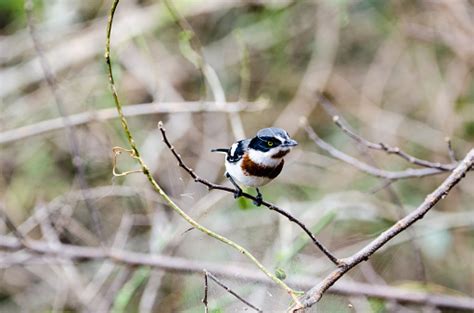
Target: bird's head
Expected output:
[270,144]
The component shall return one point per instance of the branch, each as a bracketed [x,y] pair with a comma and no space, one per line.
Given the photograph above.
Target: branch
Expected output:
[157,187]
[269,205]
[366,168]
[391,149]
[204,299]
[330,109]
[217,281]
[131,110]
[451,153]
[315,294]
[184,266]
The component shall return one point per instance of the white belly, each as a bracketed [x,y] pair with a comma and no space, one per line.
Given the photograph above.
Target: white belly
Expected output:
[236,172]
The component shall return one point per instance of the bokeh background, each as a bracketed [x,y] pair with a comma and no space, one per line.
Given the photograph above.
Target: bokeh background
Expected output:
[400,72]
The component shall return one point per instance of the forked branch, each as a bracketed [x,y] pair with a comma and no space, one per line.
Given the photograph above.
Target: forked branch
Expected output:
[315,293]
[366,168]
[226,288]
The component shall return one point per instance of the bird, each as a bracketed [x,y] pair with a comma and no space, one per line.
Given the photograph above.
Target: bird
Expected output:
[256,161]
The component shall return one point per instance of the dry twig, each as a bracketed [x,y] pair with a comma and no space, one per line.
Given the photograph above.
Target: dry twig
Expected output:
[366,168]
[228,289]
[329,107]
[206,289]
[391,149]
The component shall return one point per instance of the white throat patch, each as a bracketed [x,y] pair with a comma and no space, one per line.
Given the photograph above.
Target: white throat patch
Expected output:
[263,158]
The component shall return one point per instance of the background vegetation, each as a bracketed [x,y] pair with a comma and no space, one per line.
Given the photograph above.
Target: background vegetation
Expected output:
[400,72]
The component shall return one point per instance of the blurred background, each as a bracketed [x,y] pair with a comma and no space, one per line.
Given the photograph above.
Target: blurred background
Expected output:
[400,72]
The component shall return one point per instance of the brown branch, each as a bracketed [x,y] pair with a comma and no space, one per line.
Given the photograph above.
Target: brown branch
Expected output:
[315,294]
[329,108]
[391,149]
[206,289]
[130,110]
[217,281]
[11,225]
[451,153]
[366,168]
[184,266]
[269,205]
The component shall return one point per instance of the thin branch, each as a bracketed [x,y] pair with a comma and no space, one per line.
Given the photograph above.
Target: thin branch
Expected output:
[381,146]
[185,266]
[269,205]
[315,294]
[206,289]
[366,168]
[76,158]
[11,226]
[217,281]
[131,110]
[451,153]
[391,149]
[157,187]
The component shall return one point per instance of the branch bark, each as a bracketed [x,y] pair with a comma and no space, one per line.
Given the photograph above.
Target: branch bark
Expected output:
[366,168]
[315,293]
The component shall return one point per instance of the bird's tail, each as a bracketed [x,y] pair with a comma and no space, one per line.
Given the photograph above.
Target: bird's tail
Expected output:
[221,150]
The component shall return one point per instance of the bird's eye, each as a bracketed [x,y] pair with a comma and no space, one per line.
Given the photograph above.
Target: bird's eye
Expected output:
[269,143]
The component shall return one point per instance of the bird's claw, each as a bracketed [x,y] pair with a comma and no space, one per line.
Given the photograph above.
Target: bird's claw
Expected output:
[237,193]
[258,201]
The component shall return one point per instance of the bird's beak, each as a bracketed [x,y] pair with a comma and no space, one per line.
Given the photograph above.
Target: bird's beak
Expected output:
[290,143]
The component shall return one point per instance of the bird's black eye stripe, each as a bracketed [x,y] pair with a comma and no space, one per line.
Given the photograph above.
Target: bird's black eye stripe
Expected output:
[264,144]
[270,141]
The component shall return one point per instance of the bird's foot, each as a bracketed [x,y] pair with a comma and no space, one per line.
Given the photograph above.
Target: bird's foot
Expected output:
[237,193]
[259,199]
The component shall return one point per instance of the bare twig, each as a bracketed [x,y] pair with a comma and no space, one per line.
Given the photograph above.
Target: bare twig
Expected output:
[131,110]
[380,146]
[11,225]
[391,149]
[217,281]
[315,294]
[451,153]
[366,168]
[76,158]
[269,205]
[206,289]
[185,266]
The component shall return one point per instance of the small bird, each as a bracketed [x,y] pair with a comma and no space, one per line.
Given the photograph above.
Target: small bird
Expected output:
[256,162]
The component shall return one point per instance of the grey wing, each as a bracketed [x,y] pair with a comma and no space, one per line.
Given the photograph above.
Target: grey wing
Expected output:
[237,150]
